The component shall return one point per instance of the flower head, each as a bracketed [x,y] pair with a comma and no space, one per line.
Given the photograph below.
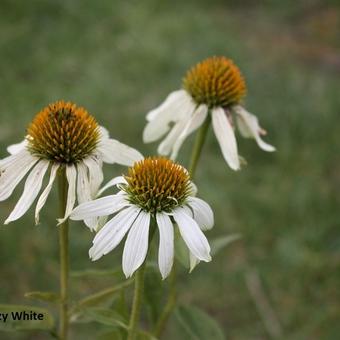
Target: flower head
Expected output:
[63,132]
[214,82]
[213,89]
[157,185]
[154,190]
[64,137]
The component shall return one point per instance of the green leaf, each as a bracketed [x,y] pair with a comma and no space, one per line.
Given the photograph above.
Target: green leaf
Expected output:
[15,321]
[100,297]
[92,273]
[104,316]
[43,296]
[197,324]
[221,242]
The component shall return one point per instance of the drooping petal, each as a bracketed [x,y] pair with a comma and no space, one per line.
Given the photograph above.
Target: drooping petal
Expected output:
[226,137]
[169,141]
[192,235]
[179,109]
[136,244]
[31,191]
[166,244]
[71,175]
[95,167]
[84,192]
[113,232]
[194,261]
[12,170]
[171,99]
[195,121]
[249,127]
[112,183]
[16,148]
[104,206]
[115,152]
[203,214]
[104,133]
[43,197]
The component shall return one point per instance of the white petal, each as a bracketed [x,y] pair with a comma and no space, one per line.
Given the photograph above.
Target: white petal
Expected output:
[104,133]
[12,170]
[166,244]
[84,192]
[71,175]
[100,207]
[226,138]
[16,148]
[136,244]
[179,109]
[31,190]
[113,232]
[43,197]
[249,127]
[196,120]
[95,166]
[113,182]
[192,235]
[194,261]
[116,152]
[172,98]
[203,214]
[188,211]
[168,143]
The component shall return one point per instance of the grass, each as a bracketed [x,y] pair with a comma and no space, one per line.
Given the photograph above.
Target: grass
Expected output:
[121,59]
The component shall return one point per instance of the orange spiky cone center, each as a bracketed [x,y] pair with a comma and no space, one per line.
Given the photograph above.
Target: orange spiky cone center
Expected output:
[157,184]
[216,81]
[63,132]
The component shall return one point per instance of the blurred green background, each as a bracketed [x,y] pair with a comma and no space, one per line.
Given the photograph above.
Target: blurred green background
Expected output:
[120,59]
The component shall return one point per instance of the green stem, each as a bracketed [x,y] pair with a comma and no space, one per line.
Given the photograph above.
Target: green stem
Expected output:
[198,146]
[171,302]
[137,302]
[64,257]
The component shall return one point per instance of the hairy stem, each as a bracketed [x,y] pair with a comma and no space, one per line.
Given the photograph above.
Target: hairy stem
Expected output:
[137,302]
[64,258]
[198,146]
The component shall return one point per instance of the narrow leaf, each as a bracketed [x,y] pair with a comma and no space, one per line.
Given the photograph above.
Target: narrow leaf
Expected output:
[92,273]
[221,242]
[43,296]
[197,324]
[104,316]
[100,297]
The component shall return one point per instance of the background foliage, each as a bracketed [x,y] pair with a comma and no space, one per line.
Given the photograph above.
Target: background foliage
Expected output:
[120,59]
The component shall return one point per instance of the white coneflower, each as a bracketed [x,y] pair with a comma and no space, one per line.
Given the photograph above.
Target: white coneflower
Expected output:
[155,189]
[62,135]
[216,86]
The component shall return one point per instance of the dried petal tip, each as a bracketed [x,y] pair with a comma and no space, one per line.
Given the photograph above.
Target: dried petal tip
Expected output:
[216,81]
[63,132]
[157,184]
